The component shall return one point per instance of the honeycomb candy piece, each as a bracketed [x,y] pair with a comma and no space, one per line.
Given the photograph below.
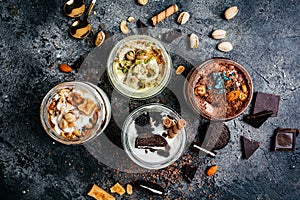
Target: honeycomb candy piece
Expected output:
[117,188]
[100,194]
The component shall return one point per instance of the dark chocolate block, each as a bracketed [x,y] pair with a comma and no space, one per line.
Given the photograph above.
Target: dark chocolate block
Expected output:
[256,120]
[249,147]
[265,101]
[285,139]
[189,172]
[150,140]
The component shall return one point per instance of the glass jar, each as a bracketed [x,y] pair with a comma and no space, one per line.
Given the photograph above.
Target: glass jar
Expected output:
[219,89]
[139,67]
[75,112]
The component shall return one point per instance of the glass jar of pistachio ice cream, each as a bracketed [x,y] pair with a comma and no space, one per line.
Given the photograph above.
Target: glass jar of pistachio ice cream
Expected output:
[139,66]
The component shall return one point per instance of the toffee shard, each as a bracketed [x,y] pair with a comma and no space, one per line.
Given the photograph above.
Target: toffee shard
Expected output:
[265,101]
[249,147]
[256,120]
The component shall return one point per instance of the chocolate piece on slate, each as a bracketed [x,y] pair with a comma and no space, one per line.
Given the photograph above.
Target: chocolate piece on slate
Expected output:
[285,139]
[150,187]
[170,36]
[265,101]
[150,140]
[249,147]
[217,136]
[189,172]
[256,120]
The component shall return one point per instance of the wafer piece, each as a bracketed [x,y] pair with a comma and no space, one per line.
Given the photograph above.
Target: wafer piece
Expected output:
[164,14]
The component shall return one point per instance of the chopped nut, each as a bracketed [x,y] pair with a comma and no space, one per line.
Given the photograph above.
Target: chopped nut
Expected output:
[77,98]
[129,189]
[70,117]
[200,90]
[130,55]
[225,46]
[231,12]
[181,123]
[218,34]
[194,41]
[233,95]
[244,88]
[211,170]
[243,96]
[183,17]
[130,19]
[77,133]
[63,124]
[65,68]
[100,194]
[142,2]
[180,69]
[117,188]
[124,28]
[100,38]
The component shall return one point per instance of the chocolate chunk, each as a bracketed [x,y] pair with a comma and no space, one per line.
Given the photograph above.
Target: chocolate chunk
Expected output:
[143,28]
[265,101]
[217,136]
[285,139]
[143,119]
[170,36]
[189,172]
[150,187]
[256,120]
[249,147]
[147,140]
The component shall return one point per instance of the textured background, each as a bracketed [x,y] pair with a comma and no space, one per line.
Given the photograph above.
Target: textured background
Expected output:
[34,41]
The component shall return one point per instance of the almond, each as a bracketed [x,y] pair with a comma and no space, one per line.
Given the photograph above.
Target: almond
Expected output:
[180,69]
[211,170]
[65,68]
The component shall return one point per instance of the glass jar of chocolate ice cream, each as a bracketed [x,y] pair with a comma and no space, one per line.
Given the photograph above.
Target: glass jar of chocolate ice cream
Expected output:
[219,89]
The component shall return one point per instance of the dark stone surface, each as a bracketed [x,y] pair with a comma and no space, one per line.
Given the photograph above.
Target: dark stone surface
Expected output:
[34,41]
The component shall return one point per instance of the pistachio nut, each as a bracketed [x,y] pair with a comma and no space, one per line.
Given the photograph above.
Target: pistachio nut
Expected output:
[100,38]
[231,12]
[123,27]
[194,41]
[225,46]
[183,17]
[218,34]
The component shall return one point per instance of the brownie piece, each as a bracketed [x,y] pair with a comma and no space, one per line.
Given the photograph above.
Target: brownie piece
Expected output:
[249,147]
[285,139]
[256,120]
[150,140]
[265,101]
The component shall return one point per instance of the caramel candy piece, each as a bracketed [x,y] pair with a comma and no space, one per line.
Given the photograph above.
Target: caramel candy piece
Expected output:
[87,107]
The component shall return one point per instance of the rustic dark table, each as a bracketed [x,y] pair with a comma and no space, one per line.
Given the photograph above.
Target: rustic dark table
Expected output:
[35,40]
